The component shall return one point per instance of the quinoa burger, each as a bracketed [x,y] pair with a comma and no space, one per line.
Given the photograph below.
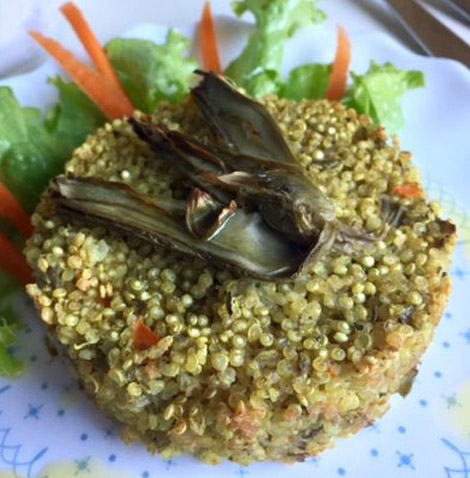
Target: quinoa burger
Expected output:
[240,280]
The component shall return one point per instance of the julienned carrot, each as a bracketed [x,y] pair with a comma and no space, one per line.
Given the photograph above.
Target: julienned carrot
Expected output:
[88,39]
[13,262]
[210,54]
[408,190]
[339,73]
[144,337]
[13,212]
[100,89]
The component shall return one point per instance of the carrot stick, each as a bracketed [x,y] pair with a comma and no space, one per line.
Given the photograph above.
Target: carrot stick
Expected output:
[144,337]
[102,91]
[13,262]
[408,190]
[13,212]
[339,73]
[88,39]
[210,54]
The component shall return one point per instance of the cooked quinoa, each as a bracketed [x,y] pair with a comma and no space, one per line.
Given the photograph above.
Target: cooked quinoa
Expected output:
[246,369]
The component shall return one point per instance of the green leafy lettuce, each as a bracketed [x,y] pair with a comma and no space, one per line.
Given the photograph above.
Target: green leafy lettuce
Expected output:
[150,72]
[74,117]
[378,93]
[257,69]
[306,82]
[32,151]
[10,327]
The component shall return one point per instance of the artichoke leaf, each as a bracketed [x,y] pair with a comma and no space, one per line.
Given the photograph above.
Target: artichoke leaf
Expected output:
[242,124]
[245,242]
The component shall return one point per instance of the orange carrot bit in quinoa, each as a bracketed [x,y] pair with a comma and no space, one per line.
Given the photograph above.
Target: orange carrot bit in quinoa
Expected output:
[144,337]
[408,190]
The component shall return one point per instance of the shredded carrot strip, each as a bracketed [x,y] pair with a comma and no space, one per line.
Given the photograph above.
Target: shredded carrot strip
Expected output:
[102,91]
[339,73]
[13,212]
[144,337]
[13,262]
[89,41]
[210,53]
[408,190]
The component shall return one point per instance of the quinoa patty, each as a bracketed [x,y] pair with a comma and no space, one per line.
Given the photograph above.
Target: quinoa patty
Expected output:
[246,369]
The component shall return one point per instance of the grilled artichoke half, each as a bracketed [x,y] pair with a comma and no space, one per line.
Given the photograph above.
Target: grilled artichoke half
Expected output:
[249,205]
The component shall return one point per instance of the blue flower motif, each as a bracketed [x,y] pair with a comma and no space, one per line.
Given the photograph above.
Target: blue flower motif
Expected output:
[451,401]
[82,465]
[33,411]
[405,461]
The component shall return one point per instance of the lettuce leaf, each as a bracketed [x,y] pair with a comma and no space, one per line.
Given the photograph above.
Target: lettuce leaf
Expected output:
[257,69]
[306,82]
[10,327]
[74,117]
[377,93]
[32,151]
[150,72]
[29,154]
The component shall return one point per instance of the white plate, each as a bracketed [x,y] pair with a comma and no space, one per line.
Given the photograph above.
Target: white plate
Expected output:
[49,429]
